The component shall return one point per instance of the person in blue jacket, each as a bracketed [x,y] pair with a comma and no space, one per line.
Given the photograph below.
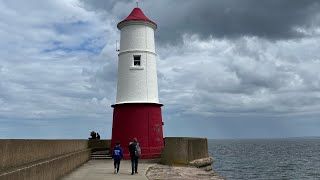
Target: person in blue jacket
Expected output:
[117,155]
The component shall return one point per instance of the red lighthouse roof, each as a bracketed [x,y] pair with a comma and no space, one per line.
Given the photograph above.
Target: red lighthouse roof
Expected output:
[137,15]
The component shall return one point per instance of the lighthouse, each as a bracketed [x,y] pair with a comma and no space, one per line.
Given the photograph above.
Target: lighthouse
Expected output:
[137,111]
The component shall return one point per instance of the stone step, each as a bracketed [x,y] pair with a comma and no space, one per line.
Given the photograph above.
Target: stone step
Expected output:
[102,154]
[101,157]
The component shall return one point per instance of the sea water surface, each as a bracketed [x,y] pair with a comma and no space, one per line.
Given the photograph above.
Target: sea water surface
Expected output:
[291,158]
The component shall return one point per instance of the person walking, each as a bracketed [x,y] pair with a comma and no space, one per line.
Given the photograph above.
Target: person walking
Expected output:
[117,155]
[135,151]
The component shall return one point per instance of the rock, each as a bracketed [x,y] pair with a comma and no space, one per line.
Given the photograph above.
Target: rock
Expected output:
[201,162]
[207,168]
[165,172]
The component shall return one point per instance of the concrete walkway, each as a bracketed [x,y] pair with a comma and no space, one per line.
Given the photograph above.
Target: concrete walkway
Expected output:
[103,169]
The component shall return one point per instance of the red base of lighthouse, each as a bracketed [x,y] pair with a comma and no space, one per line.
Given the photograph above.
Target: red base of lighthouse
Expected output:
[140,120]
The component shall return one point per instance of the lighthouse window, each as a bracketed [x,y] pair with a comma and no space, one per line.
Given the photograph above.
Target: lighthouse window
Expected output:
[136,60]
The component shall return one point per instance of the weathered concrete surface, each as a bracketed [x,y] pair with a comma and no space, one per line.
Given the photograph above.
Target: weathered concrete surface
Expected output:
[182,150]
[49,169]
[148,170]
[165,172]
[18,152]
[103,169]
[44,159]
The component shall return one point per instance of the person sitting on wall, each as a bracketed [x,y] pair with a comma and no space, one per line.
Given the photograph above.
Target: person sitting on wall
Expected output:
[93,135]
[98,136]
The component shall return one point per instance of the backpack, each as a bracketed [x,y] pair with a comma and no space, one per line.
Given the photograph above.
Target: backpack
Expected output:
[137,151]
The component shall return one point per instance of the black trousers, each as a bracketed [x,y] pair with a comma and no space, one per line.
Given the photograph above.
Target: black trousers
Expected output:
[134,163]
[116,163]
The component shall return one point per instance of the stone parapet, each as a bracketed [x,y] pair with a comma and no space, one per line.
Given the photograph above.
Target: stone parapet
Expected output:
[44,159]
[182,150]
[49,169]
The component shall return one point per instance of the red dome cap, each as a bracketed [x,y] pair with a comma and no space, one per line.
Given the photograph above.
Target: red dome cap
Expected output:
[137,15]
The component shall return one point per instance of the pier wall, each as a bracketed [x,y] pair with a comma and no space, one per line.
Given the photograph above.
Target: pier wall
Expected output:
[182,150]
[44,159]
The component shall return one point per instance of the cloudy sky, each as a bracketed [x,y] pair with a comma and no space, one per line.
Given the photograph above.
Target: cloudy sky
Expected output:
[226,69]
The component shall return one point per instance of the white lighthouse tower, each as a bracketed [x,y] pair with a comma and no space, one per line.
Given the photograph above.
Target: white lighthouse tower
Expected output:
[137,111]
[137,71]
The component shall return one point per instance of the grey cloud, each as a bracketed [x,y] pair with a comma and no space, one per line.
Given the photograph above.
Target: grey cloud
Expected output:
[42,61]
[103,80]
[217,60]
[244,76]
[271,19]
[102,75]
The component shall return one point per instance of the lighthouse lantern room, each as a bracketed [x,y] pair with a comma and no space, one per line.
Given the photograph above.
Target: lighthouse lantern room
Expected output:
[137,111]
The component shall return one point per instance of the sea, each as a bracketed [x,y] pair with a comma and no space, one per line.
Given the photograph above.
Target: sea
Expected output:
[288,158]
